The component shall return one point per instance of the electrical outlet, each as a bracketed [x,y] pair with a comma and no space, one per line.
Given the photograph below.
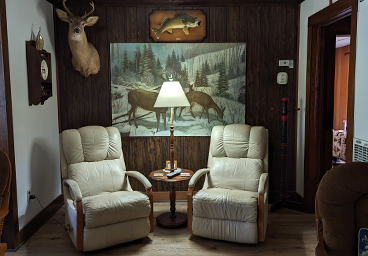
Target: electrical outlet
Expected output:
[28,195]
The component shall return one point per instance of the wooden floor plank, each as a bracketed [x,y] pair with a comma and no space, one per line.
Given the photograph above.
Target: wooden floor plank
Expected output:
[289,233]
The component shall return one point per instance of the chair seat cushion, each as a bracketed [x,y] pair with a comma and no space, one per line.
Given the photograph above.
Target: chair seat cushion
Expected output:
[226,204]
[115,207]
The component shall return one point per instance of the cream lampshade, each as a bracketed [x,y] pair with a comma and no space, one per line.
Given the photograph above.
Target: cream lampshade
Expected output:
[171,95]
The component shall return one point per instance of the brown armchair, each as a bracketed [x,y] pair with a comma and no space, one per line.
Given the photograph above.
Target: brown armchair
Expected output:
[5,179]
[341,209]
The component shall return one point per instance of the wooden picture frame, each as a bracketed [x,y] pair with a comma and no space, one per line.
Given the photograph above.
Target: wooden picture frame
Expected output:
[168,165]
[214,71]
[196,34]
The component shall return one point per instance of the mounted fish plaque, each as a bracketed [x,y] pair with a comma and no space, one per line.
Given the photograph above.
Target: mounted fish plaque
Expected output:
[177,25]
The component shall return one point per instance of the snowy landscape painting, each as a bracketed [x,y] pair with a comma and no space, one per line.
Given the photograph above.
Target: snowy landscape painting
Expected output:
[212,76]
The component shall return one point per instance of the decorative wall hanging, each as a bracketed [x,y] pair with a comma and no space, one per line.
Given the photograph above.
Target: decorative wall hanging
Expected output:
[211,74]
[85,56]
[177,25]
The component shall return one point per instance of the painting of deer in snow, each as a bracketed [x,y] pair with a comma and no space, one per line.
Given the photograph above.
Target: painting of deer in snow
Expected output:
[213,76]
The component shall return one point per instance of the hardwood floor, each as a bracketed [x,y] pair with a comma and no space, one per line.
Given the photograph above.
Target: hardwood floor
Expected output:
[289,233]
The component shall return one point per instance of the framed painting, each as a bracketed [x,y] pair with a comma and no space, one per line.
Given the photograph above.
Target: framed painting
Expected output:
[212,76]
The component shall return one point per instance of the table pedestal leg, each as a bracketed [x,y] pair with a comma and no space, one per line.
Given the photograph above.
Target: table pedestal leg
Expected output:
[172,219]
[172,200]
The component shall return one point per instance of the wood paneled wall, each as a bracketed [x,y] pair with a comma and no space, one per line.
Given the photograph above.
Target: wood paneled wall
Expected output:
[342,58]
[270,33]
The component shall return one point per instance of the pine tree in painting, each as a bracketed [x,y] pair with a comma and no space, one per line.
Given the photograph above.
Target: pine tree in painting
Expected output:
[142,61]
[204,79]
[197,82]
[184,77]
[125,62]
[222,83]
[137,59]
[241,97]
[242,57]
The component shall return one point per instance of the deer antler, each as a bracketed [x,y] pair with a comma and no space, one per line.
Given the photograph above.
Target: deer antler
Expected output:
[87,14]
[67,9]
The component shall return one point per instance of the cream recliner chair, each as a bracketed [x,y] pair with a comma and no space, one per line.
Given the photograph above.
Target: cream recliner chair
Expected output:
[233,203]
[101,209]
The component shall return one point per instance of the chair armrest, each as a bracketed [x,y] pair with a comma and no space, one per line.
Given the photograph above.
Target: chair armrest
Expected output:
[262,183]
[140,177]
[147,184]
[74,188]
[196,176]
[191,185]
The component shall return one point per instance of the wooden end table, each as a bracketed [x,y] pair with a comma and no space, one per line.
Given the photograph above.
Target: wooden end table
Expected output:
[171,219]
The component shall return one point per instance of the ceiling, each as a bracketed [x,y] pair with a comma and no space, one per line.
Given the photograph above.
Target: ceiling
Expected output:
[177,2]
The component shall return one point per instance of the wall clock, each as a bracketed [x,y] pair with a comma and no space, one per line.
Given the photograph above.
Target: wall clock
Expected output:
[39,74]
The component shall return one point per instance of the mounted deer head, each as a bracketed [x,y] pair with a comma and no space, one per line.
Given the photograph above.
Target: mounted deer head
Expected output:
[85,56]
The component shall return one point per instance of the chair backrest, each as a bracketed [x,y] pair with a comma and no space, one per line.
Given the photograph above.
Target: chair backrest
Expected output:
[238,156]
[92,156]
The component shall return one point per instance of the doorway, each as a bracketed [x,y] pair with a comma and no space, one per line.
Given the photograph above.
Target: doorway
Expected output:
[341,84]
[323,27]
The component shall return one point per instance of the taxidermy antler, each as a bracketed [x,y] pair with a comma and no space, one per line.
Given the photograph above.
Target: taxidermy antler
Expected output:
[85,56]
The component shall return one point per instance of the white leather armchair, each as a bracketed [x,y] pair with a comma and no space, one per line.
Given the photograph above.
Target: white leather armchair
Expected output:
[233,203]
[101,209]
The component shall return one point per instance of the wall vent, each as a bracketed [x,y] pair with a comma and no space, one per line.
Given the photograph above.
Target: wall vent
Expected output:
[360,150]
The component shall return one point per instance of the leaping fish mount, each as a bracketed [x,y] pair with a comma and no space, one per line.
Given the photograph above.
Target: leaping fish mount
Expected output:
[171,25]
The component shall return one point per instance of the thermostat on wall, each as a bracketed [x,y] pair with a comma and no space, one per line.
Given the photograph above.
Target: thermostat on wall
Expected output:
[282,78]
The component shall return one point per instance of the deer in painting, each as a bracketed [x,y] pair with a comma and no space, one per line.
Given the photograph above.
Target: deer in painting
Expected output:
[206,102]
[85,56]
[145,100]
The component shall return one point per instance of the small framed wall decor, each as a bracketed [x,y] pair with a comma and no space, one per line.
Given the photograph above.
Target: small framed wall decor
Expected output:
[177,25]
[168,165]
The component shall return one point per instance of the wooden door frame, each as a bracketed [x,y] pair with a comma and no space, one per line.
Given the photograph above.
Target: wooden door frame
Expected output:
[11,223]
[315,117]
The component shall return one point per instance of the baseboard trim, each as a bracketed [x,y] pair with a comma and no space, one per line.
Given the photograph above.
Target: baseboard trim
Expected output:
[38,221]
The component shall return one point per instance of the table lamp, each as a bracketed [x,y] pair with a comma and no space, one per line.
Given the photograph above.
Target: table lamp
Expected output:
[171,95]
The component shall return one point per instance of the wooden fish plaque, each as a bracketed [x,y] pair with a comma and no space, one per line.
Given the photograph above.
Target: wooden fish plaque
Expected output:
[177,25]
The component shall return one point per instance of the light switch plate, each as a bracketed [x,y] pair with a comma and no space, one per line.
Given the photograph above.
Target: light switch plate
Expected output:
[282,78]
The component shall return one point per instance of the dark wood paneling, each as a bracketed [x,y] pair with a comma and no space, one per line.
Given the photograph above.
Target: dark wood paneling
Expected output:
[270,33]
[178,2]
